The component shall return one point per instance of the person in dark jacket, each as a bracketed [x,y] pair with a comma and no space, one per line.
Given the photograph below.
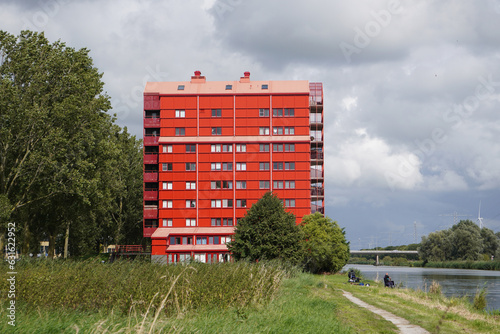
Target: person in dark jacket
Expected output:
[388,281]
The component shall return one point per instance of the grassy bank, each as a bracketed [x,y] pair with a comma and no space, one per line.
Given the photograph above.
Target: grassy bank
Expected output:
[225,298]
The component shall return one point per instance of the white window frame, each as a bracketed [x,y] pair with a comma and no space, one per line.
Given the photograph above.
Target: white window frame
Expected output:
[167,186]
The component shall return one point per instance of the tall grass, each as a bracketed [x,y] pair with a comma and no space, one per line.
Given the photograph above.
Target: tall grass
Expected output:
[143,287]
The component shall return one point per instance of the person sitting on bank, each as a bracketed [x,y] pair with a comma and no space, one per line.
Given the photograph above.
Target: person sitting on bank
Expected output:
[387,281]
[352,276]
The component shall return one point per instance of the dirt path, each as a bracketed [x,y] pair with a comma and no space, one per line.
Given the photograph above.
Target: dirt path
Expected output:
[404,325]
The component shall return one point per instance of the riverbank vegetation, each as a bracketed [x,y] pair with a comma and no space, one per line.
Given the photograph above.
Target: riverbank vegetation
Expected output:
[136,297]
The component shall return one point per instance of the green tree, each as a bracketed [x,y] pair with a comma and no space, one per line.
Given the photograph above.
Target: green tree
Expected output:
[466,241]
[436,246]
[325,245]
[267,232]
[490,242]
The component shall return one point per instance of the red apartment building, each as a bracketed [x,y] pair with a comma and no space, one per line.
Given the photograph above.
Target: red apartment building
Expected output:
[212,149]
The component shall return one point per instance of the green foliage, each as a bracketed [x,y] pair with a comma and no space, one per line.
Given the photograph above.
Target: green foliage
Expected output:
[464,241]
[61,157]
[325,246]
[480,302]
[267,232]
[124,286]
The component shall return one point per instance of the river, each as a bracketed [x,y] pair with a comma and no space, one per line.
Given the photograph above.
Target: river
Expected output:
[454,282]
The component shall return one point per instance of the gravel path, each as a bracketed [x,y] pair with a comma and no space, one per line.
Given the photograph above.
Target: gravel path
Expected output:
[404,325]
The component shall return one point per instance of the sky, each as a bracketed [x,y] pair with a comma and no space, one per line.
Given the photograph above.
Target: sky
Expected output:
[411,89]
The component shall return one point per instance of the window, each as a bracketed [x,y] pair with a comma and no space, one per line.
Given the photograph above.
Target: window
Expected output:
[224,240]
[241,203]
[290,184]
[216,222]
[167,148]
[215,166]
[190,222]
[277,112]
[263,165]
[167,204]
[289,147]
[187,240]
[263,131]
[264,112]
[278,184]
[180,131]
[180,113]
[290,203]
[221,148]
[166,167]
[216,112]
[289,112]
[264,147]
[180,87]
[167,185]
[227,166]
[289,130]
[263,184]
[215,185]
[277,131]
[167,222]
[216,131]
[277,147]
[277,165]
[190,166]
[241,184]
[289,165]
[227,203]
[229,87]
[227,148]
[221,184]
[215,148]
[190,185]
[227,184]
[227,221]
[201,240]
[190,203]
[241,166]
[190,148]
[216,203]
[241,147]
[265,86]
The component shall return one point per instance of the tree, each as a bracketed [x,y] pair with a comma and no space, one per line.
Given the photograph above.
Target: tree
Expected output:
[325,245]
[267,232]
[436,247]
[466,241]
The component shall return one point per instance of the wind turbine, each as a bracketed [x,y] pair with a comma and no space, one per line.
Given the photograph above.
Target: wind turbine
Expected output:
[479,218]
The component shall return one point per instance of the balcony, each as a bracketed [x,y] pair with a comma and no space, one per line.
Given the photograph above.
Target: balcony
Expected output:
[150,176]
[151,140]
[150,159]
[316,155]
[317,192]
[316,174]
[151,212]
[152,105]
[150,195]
[150,122]
[316,208]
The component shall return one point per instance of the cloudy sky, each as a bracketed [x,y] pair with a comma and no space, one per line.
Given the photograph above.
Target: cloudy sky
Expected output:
[412,89]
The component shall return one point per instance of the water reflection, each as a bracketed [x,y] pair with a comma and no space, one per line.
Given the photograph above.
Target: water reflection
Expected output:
[454,282]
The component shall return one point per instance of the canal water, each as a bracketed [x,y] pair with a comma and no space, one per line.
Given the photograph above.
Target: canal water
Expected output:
[454,282]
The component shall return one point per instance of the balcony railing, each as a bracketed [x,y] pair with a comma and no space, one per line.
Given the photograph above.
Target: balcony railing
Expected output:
[151,195]
[150,213]
[152,105]
[317,192]
[150,176]
[151,140]
[316,174]
[150,159]
[316,155]
[151,122]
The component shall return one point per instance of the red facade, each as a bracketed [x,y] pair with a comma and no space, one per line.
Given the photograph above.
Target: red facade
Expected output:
[212,149]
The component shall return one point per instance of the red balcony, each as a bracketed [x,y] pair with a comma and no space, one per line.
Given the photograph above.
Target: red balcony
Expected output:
[151,122]
[152,105]
[151,213]
[151,140]
[150,159]
[150,176]
[148,231]
[150,195]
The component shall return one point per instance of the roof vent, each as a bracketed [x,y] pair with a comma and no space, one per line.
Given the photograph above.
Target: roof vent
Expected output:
[246,77]
[198,78]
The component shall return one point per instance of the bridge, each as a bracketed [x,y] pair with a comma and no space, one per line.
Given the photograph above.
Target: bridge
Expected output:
[382,252]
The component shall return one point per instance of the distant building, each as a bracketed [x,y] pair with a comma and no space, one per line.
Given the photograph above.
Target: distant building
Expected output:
[212,149]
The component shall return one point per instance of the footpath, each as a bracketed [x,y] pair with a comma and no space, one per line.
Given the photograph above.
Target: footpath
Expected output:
[404,325]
